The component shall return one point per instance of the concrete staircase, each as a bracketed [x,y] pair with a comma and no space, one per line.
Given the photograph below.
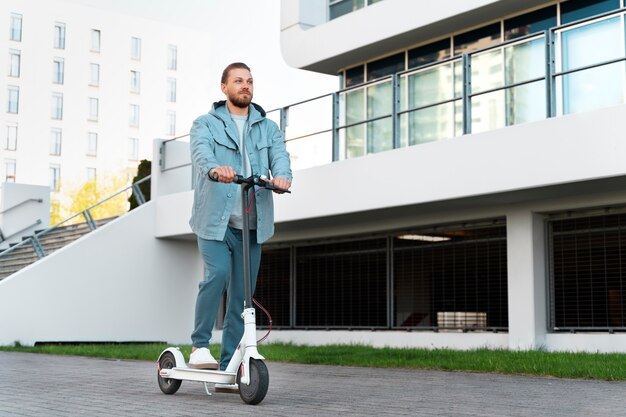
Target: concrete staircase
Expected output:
[50,241]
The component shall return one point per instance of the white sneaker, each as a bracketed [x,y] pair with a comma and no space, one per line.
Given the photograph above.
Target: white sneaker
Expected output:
[227,388]
[201,359]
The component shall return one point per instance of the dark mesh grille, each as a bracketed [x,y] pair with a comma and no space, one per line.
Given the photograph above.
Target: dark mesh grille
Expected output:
[587,272]
[273,287]
[342,284]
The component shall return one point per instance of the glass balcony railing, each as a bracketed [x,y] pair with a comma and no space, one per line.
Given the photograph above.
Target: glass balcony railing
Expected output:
[572,68]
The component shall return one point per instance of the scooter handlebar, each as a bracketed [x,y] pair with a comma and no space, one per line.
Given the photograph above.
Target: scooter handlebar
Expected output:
[259,181]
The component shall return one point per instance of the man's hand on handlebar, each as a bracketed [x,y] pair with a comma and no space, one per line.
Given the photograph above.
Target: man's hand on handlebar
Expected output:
[282,183]
[225,174]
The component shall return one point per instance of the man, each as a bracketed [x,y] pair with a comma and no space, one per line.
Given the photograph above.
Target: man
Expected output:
[233,138]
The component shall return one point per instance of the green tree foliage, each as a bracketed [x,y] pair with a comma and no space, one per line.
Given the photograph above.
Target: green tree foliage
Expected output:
[143,170]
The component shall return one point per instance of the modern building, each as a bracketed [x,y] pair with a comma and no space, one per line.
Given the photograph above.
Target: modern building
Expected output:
[463,188]
[85,91]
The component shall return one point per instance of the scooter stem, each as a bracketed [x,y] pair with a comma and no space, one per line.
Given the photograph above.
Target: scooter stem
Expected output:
[247,273]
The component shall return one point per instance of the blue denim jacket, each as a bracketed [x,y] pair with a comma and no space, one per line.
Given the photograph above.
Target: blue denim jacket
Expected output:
[214,142]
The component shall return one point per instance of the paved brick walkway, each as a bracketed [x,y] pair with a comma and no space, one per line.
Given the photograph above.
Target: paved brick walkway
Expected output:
[43,385]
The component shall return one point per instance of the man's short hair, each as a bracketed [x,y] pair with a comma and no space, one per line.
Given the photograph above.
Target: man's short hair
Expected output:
[233,66]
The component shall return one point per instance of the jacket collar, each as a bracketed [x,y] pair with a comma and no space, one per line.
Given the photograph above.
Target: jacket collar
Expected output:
[256,112]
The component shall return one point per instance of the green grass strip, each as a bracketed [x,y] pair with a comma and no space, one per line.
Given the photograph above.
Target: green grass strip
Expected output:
[608,367]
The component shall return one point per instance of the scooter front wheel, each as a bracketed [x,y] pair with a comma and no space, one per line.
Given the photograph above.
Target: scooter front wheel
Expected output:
[259,383]
[168,385]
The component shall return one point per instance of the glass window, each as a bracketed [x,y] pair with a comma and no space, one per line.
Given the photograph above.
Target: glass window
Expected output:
[340,7]
[433,52]
[379,103]
[91,174]
[9,169]
[487,73]
[11,141]
[171,122]
[135,48]
[13,104]
[573,10]
[354,136]
[172,57]
[171,90]
[533,22]
[55,142]
[133,118]
[94,74]
[93,108]
[135,81]
[92,144]
[59,35]
[355,76]
[55,177]
[385,66]
[15,30]
[58,71]
[593,88]
[14,62]
[427,87]
[57,106]
[133,149]
[523,62]
[95,40]
[477,39]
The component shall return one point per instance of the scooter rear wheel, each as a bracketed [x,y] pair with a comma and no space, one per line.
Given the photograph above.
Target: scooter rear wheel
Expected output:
[259,382]
[168,385]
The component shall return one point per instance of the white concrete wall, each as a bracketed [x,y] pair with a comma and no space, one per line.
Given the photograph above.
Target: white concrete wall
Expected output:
[308,41]
[16,219]
[118,283]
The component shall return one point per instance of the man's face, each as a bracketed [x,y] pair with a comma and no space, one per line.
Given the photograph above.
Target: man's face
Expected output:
[238,87]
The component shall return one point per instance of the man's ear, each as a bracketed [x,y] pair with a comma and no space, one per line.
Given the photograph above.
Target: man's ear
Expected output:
[223,88]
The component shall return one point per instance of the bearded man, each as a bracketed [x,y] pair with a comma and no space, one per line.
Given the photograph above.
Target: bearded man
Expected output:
[234,138]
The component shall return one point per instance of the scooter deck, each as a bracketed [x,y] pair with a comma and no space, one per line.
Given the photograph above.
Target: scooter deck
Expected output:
[200,375]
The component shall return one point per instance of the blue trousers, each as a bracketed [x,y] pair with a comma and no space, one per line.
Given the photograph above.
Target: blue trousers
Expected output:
[223,270]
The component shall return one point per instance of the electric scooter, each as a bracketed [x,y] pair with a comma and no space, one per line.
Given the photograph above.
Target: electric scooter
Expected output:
[246,368]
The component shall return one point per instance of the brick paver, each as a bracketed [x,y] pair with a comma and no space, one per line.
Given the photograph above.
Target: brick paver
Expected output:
[45,385]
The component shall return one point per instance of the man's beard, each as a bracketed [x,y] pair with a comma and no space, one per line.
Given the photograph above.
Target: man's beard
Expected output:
[240,101]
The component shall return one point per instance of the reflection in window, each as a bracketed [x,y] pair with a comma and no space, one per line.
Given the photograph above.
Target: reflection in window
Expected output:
[355,76]
[477,39]
[385,66]
[93,109]
[379,103]
[427,54]
[428,87]
[573,10]
[135,81]
[597,87]
[529,23]
[355,112]
[340,7]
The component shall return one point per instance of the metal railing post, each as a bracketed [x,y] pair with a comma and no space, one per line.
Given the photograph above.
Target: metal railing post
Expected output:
[139,197]
[395,85]
[467,91]
[283,121]
[550,70]
[89,219]
[37,246]
[335,127]
[162,156]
